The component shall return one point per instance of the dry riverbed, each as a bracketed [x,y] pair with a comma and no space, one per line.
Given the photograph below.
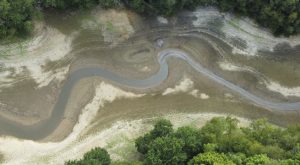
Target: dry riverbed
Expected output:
[100,112]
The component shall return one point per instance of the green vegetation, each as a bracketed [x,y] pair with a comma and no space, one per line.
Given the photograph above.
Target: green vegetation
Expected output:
[16,17]
[1,158]
[282,17]
[65,4]
[219,142]
[81,4]
[96,156]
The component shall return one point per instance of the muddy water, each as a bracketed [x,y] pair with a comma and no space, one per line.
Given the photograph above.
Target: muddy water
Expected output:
[133,63]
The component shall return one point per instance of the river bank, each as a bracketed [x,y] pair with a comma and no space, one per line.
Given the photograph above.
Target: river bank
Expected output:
[118,139]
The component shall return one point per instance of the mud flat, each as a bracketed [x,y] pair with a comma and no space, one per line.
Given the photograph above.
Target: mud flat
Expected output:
[118,139]
[126,45]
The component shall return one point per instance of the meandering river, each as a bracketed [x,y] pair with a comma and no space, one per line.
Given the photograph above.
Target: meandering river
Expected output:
[44,128]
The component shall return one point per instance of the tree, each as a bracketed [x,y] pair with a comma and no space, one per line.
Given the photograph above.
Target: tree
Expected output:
[67,4]
[138,5]
[109,3]
[217,128]
[73,162]
[231,145]
[263,132]
[96,156]
[16,17]
[237,158]
[166,7]
[166,150]
[161,128]
[210,158]
[257,160]
[289,162]
[235,142]
[142,143]
[192,140]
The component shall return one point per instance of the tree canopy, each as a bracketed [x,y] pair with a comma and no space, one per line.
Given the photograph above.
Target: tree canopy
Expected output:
[16,17]
[281,17]
[96,156]
[219,142]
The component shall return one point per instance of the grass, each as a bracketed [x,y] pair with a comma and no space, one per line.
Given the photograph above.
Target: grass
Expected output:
[123,147]
[109,26]
[21,48]
[19,45]
[234,23]
[4,54]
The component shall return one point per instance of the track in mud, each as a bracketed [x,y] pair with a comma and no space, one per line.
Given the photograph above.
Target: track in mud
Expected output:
[44,128]
[94,42]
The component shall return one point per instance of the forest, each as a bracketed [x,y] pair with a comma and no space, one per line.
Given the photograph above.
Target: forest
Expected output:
[219,142]
[281,17]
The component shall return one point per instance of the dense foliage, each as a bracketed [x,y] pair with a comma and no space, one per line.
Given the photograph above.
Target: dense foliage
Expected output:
[63,4]
[282,17]
[16,17]
[96,156]
[221,141]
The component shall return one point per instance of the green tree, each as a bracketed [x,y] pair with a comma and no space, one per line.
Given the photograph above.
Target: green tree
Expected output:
[142,143]
[192,140]
[166,151]
[109,3]
[166,7]
[138,5]
[210,158]
[237,158]
[258,160]
[96,156]
[217,128]
[289,162]
[161,128]
[264,132]
[67,4]
[16,17]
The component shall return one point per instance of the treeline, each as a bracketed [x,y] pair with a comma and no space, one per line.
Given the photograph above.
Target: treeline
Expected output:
[219,142]
[282,17]
[97,156]
[16,16]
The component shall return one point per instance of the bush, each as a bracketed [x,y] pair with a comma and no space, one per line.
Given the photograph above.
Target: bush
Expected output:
[192,140]
[109,3]
[161,128]
[221,141]
[166,150]
[257,160]
[16,17]
[210,158]
[281,17]
[67,4]
[96,156]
